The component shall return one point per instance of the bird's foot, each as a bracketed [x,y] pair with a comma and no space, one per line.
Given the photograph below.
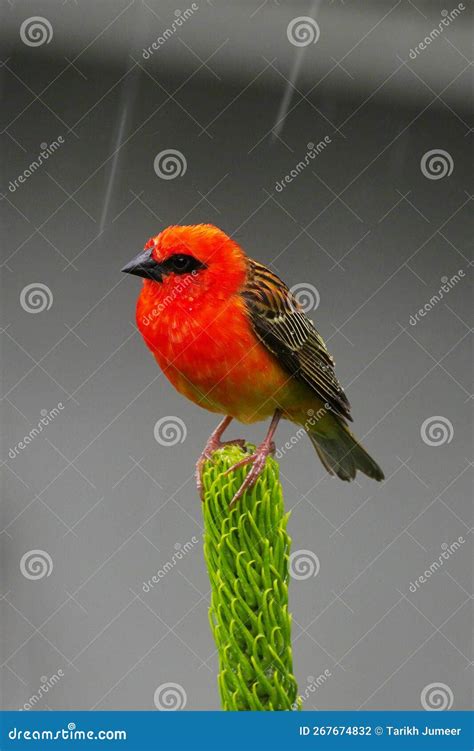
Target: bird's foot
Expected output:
[257,459]
[212,445]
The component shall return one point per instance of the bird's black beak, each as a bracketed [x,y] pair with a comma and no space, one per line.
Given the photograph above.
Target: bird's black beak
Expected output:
[144,265]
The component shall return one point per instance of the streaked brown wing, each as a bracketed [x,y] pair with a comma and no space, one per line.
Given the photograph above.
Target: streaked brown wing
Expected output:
[280,323]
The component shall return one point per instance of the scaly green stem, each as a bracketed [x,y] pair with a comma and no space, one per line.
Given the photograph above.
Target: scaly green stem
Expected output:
[246,551]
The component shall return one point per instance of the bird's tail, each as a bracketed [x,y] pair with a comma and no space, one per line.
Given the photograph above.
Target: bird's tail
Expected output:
[340,452]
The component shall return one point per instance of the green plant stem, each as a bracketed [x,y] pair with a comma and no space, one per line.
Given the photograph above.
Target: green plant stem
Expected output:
[246,550]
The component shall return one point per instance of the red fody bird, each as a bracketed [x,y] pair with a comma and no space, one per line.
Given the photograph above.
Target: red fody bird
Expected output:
[230,336]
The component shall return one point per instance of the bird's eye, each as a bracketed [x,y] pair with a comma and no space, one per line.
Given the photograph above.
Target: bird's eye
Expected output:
[181,262]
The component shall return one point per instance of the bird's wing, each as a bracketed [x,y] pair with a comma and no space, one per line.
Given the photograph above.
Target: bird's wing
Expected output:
[280,323]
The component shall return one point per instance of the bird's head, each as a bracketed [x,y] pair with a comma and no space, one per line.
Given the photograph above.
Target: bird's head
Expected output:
[199,258]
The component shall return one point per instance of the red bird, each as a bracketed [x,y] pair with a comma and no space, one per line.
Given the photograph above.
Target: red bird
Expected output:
[230,336]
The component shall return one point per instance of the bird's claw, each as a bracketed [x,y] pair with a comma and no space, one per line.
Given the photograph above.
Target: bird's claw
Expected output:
[257,459]
[212,445]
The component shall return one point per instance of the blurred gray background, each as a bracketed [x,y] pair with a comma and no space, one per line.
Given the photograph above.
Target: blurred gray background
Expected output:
[372,224]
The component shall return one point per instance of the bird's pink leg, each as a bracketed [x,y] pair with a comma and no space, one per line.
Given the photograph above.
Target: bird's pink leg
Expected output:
[257,459]
[214,442]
